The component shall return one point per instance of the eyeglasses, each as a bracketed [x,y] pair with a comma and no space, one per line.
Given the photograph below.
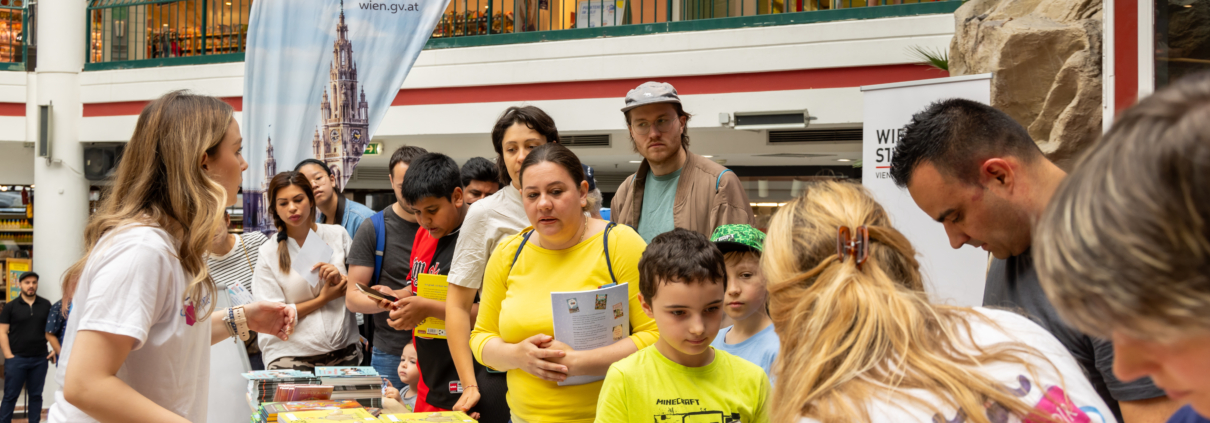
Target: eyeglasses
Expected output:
[644,127]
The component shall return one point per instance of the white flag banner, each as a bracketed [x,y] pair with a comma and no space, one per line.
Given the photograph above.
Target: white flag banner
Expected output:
[319,76]
[954,277]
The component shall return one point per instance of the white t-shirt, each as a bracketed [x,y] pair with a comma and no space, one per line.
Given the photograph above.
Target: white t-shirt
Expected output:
[1085,405]
[132,285]
[488,222]
[327,329]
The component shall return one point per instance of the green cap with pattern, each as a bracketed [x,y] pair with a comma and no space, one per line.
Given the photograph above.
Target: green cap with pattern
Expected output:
[738,237]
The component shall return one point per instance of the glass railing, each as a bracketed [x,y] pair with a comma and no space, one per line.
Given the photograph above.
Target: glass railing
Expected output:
[13,35]
[142,33]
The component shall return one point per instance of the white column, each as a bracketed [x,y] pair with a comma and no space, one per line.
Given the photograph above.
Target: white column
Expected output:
[60,191]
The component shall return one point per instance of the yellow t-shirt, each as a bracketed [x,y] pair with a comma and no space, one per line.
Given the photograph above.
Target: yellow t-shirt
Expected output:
[647,387]
[516,305]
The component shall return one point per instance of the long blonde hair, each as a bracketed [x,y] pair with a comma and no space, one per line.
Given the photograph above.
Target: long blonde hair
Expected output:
[160,181]
[850,335]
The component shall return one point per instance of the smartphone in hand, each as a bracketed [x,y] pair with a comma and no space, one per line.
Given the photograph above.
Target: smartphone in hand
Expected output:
[375,294]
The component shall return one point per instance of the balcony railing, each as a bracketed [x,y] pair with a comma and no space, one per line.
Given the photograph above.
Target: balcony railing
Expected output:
[14,33]
[139,30]
[147,33]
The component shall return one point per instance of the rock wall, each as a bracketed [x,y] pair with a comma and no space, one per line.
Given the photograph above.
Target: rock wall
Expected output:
[1046,59]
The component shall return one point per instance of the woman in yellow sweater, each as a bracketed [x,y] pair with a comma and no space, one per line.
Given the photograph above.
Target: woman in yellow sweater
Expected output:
[565,251]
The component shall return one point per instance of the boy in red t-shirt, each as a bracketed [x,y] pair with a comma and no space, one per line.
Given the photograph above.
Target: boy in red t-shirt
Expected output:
[433,188]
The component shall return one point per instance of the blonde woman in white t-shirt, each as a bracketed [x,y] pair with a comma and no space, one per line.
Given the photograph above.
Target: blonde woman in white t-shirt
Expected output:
[862,343]
[142,296]
[326,334]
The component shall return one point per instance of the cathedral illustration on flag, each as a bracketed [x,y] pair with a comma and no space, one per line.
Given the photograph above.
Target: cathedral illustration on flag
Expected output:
[340,138]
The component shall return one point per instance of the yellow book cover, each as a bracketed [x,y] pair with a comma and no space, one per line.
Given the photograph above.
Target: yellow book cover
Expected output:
[345,415]
[444,416]
[433,287]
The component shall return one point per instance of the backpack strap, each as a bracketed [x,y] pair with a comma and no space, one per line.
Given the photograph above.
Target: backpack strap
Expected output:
[608,261]
[524,239]
[718,182]
[380,239]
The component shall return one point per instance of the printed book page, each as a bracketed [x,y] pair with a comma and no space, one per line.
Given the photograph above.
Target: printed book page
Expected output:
[314,250]
[591,319]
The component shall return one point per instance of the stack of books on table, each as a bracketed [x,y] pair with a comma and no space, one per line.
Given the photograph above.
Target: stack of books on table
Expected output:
[262,384]
[361,384]
[443,416]
[270,412]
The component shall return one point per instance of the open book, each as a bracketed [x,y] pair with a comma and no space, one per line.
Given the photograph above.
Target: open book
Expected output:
[591,319]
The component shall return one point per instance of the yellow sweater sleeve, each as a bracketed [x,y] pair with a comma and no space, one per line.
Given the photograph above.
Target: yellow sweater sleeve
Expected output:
[627,247]
[495,279]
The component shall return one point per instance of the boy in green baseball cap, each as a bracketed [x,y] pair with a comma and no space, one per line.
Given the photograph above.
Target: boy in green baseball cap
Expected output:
[751,337]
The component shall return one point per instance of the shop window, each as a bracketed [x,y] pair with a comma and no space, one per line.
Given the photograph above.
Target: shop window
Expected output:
[1182,39]
[12,34]
[121,30]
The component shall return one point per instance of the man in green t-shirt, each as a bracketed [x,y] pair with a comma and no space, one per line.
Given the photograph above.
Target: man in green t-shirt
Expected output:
[673,188]
[682,285]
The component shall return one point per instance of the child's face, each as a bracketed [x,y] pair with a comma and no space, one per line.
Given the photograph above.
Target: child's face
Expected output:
[440,215]
[688,316]
[409,373]
[746,293]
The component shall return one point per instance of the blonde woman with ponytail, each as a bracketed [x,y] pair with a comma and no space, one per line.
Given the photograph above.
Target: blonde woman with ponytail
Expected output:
[137,347]
[862,343]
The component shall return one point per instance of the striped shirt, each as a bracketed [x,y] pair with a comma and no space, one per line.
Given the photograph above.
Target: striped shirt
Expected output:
[235,266]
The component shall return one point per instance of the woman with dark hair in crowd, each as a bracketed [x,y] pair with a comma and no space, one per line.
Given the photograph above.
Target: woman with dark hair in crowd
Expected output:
[517,132]
[565,251]
[326,333]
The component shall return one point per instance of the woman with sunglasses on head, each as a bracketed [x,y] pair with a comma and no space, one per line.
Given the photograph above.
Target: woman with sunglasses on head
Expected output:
[142,299]
[862,343]
[326,334]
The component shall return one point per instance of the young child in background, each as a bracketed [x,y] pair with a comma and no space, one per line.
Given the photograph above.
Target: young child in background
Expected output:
[751,337]
[410,375]
[683,284]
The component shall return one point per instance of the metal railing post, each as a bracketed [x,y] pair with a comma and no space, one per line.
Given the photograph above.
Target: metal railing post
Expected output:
[205,22]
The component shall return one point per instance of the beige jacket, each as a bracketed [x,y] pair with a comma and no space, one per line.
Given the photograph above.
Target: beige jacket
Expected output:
[704,201]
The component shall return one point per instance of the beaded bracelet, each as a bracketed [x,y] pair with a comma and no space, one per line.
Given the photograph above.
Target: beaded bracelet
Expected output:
[229,324]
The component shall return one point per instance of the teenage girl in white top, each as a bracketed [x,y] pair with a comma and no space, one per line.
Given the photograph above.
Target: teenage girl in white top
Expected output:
[143,315]
[326,334]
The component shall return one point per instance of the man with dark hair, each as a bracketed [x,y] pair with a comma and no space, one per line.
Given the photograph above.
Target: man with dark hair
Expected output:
[704,194]
[976,171]
[387,272]
[480,179]
[334,208]
[23,339]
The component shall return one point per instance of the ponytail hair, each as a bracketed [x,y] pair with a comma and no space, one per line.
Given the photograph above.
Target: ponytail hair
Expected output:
[852,334]
[279,182]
